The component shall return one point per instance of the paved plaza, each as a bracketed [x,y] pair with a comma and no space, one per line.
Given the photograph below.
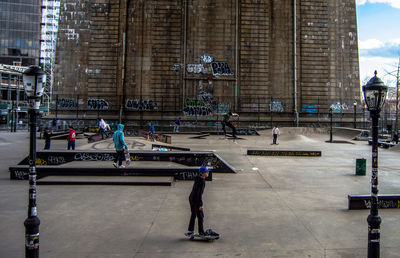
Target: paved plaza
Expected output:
[272,206]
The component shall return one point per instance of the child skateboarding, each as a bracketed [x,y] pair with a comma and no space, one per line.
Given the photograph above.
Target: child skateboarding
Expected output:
[196,207]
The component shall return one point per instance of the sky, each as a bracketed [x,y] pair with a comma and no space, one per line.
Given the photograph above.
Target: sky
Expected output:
[378,24]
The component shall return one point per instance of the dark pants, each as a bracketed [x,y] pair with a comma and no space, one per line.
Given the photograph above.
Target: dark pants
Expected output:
[47,146]
[275,138]
[102,132]
[71,144]
[196,212]
[230,126]
[119,157]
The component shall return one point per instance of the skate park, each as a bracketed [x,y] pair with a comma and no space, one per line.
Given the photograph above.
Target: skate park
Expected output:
[272,206]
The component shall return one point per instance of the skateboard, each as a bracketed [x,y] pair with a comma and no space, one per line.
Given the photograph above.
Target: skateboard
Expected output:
[210,235]
[127,157]
[203,238]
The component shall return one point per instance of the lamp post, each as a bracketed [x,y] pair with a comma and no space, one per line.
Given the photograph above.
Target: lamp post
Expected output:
[34,80]
[355,114]
[330,131]
[374,95]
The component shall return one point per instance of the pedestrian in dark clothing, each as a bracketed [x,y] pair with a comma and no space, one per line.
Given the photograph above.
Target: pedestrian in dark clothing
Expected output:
[196,201]
[54,124]
[47,138]
[71,138]
[396,137]
[119,144]
[226,122]
[177,123]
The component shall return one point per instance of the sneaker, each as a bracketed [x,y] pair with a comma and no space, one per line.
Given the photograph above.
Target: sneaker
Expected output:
[115,165]
[189,233]
[122,166]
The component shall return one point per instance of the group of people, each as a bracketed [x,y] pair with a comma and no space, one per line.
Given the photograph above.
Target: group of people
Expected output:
[103,127]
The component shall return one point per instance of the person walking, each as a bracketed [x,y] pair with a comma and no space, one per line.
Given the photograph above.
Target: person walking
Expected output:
[71,138]
[177,123]
[102,127]
[226,122]
[196,202]
[119,144]
[47,138]
[275,133]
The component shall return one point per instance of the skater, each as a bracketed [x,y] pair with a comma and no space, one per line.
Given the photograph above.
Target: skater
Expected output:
[226,122]
[196,202]
[120,145]
[275,133]
[46,135]
[71,138]
[151,132]
[102,127]
[177,123]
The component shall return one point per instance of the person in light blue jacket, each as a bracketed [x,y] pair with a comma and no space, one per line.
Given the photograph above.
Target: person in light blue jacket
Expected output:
[119,144]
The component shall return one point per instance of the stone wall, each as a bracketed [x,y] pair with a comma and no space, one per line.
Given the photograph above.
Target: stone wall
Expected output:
[201,57]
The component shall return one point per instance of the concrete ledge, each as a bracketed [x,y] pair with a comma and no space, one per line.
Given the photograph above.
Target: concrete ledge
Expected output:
[169,147]
[359,202]
[105,180]
[284,153]
[22,172]
[191,159]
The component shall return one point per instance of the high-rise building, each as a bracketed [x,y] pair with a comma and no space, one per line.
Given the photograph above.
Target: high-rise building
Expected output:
[49,28]
[19,32]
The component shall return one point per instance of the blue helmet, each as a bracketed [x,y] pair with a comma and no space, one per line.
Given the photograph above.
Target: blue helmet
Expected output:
[203,169]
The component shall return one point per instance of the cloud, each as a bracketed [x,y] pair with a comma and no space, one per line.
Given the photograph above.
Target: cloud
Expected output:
[381,64]
[370,44]
[377,48]
[393,3]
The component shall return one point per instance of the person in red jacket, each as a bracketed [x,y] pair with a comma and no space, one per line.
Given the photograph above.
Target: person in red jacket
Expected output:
[71,138]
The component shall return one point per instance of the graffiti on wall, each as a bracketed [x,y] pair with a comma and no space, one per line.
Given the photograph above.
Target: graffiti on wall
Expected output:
[339,107]
[207,58]
[309,109]
[176,67]
[276,106]
[221,68]
[196,68]
[67,103]
[97,104]
[141,104]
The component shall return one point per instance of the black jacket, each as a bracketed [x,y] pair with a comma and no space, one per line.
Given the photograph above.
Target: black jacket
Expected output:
[196,196]
[47,136]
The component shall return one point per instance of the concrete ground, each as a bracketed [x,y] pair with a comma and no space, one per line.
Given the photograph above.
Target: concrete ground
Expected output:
[273,206]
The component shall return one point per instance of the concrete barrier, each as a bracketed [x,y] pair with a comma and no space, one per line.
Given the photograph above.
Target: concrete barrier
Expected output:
[359,202]
[290,153]
[191,159]
[22,172]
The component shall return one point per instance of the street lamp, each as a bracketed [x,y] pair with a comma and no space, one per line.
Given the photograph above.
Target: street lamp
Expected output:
[34,80]
[355,114]
[374,96]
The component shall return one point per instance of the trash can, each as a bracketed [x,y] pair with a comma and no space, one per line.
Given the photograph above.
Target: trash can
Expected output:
[361,167]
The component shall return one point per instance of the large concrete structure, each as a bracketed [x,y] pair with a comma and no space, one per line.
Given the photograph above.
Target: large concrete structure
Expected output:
[204,57]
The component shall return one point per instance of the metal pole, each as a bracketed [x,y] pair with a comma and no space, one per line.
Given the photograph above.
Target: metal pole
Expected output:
[295,63]
[32,222]
[374,221]
[330,132]
[397,97]
[355,116]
